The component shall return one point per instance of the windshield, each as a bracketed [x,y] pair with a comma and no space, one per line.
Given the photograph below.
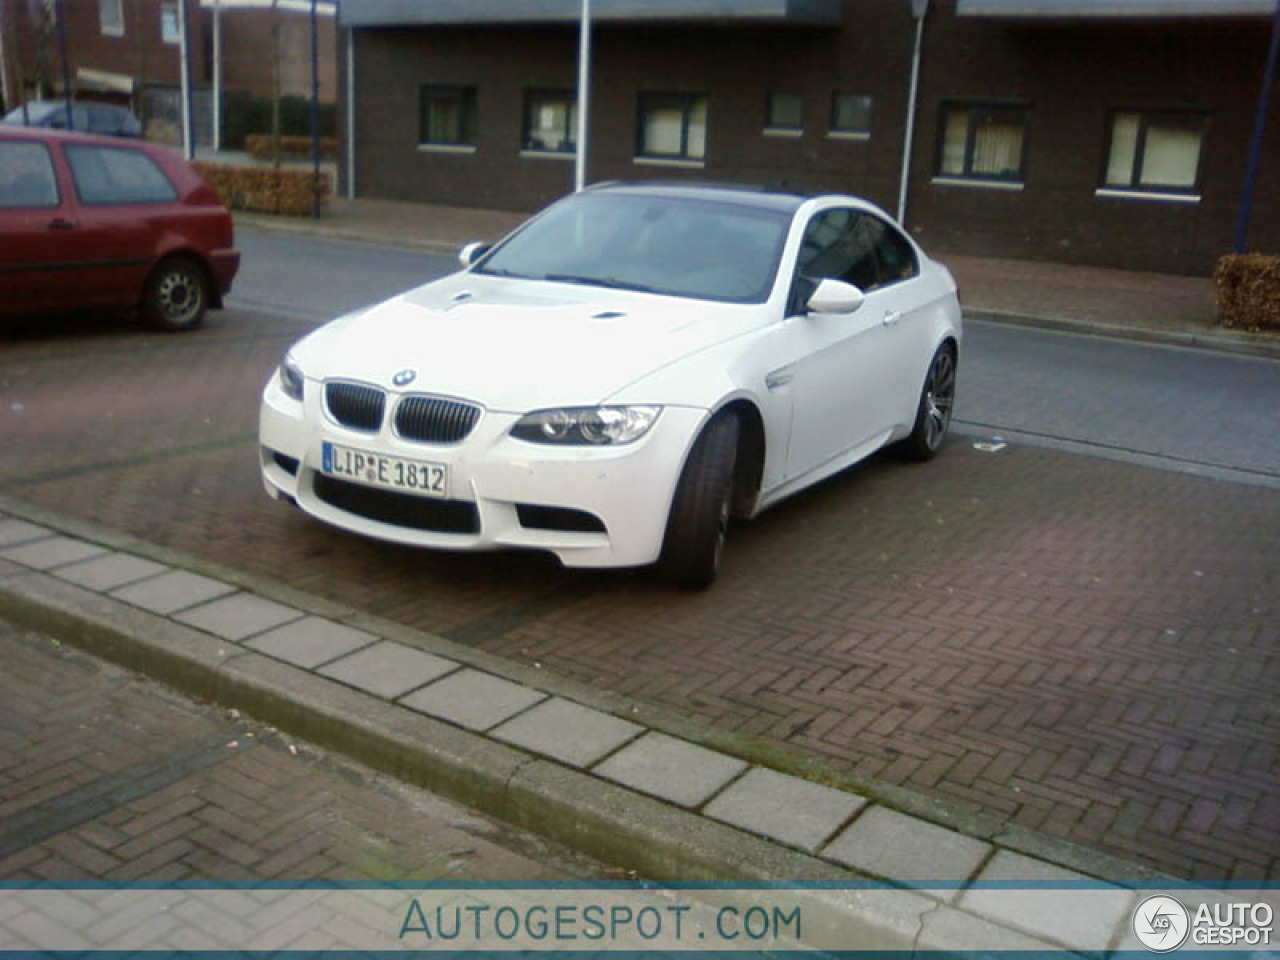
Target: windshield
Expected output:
[678,246]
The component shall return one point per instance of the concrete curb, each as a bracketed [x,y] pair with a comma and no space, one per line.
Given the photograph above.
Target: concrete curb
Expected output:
[329,231]
[1237,344]
[599,805]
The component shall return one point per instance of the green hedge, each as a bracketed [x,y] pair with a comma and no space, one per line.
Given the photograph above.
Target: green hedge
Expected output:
[243,115]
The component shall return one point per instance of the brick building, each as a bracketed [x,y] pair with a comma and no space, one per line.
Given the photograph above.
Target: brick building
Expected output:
[1105,132]
[119,49]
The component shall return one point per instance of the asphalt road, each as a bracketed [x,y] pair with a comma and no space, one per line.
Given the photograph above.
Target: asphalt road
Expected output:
[1185,410]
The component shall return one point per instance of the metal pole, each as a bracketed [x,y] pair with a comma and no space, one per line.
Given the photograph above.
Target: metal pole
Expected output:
[217,76]
[1259,132]
[184,71]
[60,13]
[315,113]
[351,113]
[6,88]
[584,95]
[918,10]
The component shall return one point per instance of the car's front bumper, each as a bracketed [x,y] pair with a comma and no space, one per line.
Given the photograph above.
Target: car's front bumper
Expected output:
[500,487]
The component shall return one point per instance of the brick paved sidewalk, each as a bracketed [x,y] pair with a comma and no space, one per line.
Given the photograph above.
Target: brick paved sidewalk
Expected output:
[105,775]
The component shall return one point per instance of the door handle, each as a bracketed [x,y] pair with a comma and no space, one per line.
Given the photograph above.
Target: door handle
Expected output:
[61,224]
[891,317]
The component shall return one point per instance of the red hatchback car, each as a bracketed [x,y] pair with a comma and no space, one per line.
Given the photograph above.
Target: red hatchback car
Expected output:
[99,222]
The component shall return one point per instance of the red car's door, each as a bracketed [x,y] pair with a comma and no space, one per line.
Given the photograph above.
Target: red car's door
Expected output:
[37,216]
[124,204]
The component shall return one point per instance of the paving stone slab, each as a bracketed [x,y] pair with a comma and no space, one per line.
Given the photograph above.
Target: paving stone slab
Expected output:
[568,732]
[110,571]
[899,847]
[13,532]
[389,669]
[471,699]
[1086,915]
[171,592]
[680,772]
[785,808]
[52,552]
[311,641]
[238,616]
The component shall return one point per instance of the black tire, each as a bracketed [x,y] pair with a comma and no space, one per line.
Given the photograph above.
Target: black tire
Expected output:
[699,518]
[176,296]
[933,413]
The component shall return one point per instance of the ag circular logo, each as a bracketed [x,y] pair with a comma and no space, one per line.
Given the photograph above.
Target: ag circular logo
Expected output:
[1161,924]
[404,378]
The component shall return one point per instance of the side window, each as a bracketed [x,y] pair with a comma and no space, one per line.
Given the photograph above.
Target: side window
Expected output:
[112,175]
[840,244]
[896,256]
[26,176]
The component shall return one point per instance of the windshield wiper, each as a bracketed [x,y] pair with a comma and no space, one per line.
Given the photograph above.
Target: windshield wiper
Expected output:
[611,282]
[499,272]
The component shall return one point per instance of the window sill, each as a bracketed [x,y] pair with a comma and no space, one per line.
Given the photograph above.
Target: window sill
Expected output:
[1008,185]
[548,154]
[459,148]
[1190,198]
[853,136]
[783,133]
[669,162]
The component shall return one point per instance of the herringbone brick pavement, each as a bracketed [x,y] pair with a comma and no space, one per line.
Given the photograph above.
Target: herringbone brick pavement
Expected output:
[1081,647]
[104,775]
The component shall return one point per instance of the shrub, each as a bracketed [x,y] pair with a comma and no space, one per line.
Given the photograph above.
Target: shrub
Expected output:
[266,189]
[1248,291]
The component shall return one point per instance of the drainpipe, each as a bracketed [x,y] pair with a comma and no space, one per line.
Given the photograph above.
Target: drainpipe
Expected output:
[1259,130]
[315,113]
[918,10]
[584,95]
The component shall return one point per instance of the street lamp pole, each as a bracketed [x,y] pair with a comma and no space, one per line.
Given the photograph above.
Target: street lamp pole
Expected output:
[584,95]
[1259,131]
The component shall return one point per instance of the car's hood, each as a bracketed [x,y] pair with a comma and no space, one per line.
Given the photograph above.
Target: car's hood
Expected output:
[518,345]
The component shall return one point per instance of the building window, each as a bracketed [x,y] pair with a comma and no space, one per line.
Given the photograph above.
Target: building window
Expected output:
[169,31]
[111,18]
[448,116]
[550,121]
[673,126]
[1155,151]
[850,115]
[983,142]
[784,113]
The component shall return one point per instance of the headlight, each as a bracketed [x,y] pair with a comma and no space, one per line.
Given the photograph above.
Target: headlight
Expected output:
[291,381]
[587,426]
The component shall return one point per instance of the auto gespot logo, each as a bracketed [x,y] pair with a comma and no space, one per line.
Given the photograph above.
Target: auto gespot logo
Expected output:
[1161,923]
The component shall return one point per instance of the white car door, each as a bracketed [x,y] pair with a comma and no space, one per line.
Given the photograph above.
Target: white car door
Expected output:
[850,373]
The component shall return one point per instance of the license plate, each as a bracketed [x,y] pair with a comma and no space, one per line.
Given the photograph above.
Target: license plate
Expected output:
[418,477]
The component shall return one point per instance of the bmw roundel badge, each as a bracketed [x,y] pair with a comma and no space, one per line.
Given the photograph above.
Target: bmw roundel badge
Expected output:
[404,378]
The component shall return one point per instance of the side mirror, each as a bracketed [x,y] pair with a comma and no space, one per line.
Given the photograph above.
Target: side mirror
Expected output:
[835,296]
[472,252]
